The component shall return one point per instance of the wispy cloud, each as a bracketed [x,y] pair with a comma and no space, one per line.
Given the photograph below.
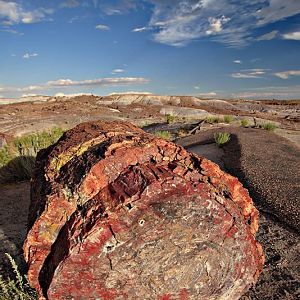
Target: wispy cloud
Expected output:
[207,95]
[12,12]
[29,55]
[12,31]
[102,27]
[129,93]
[216,24]
[69,4]
[69,83]
[249,73]
[139,29]
[268,36]
[121,7]
[230,22]
[292,36]
[117,71]
[287,74]
[237,61]
[269,92]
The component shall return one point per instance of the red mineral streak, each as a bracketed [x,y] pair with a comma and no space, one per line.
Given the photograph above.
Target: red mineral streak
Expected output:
[137,217]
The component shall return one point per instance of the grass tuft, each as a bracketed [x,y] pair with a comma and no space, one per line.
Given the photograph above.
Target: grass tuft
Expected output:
[17,159]
[228,119]
[212,119]
[245,123]
[269,126]
[170,118]
[163,134]
[221,138]
[17,288]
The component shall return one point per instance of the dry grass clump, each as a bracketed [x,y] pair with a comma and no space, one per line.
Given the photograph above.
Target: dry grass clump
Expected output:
[17,288]
[212,119]
[163,134]
[245,123]
[228,119]
[170,118]
[18,158]
[269,126]
[221,138]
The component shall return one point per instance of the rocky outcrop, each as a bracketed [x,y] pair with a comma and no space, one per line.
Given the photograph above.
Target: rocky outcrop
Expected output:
[117,213]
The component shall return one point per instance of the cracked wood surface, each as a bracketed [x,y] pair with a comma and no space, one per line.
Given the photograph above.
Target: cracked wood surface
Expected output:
[117,213]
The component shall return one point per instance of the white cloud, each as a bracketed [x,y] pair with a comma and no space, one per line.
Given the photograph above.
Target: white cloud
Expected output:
[9,30]
[102,27]
[268,36]
[117,71]
[216,24]
[68,83]
[275,10]
[129,93]
[179,22]
[292,36]
[119,8]
[287,74]
[249,73]
[207,95]
[237,61]
[269,92]
[29,55]
[13,13]
[139,29]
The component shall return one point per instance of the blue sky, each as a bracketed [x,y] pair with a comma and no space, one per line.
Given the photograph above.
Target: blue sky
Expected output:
[209,48]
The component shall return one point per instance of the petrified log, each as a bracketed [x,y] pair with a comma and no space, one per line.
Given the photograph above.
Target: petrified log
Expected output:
[117,213]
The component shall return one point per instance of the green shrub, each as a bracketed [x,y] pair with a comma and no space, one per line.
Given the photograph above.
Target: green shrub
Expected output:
[269,126]
[170,118]
[245,123]
[163,134]
[16,288]
[228,119]
[18,158]
[212,119]
[221,138]
[32,143]
[5,156]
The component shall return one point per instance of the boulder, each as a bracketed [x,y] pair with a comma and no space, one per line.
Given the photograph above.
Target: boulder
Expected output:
[117,213]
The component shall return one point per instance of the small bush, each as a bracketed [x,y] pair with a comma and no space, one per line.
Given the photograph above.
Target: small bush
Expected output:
[221,138]
[163,134]
[5,156]
[170,118]
[32,143]
[269,126]
[17,159]
[228,119]
[212,119]
[245,123]
[16,288]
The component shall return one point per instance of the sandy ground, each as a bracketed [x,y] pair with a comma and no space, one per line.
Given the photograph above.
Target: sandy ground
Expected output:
[14,204]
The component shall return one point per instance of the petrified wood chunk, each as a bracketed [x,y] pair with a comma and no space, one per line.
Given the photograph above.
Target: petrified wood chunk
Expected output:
[117,213]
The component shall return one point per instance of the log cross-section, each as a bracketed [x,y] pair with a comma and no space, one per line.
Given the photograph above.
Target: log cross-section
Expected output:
[117,213]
